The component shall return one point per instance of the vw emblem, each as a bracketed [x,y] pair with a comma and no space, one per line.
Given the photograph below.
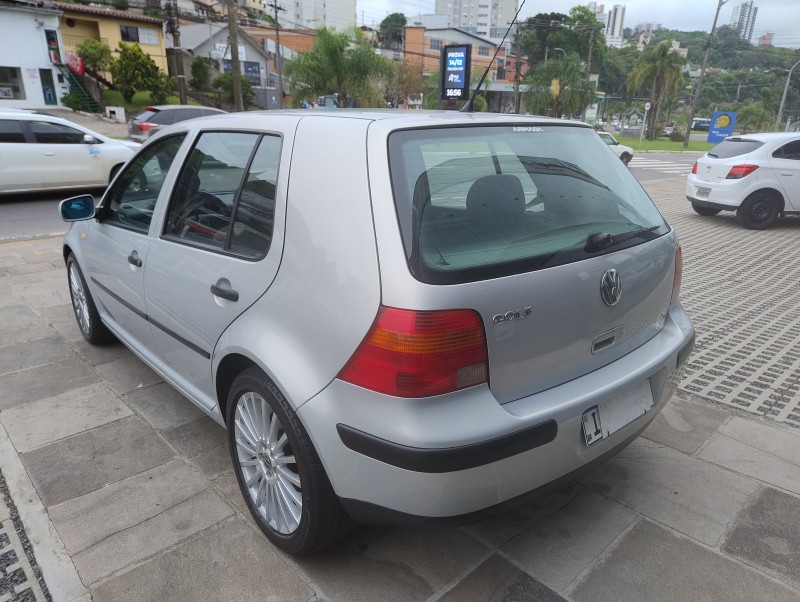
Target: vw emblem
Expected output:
[611,287]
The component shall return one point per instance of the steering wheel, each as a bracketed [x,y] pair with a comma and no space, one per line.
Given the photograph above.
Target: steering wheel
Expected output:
[200,202]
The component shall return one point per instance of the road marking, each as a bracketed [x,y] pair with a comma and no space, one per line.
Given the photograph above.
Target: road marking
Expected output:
[662,166]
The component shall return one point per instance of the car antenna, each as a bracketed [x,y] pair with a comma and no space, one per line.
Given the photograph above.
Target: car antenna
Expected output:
[469,106]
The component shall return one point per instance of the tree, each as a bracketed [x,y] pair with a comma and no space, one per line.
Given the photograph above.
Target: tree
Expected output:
[753,117]
[661,69]
[135,71]
[96,56]
[341,62]
[199,69]
[558,87]
[391,30]
[224,83]
[533,34]
[405,83]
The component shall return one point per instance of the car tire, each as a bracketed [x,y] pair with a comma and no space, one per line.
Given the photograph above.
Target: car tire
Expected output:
[758,211]
[703,210]
[293,503]
[89,323]
[625,158]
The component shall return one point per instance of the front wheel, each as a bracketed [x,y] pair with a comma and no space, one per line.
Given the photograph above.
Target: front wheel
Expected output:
[92,328]
[703,210]
[758,211]
[625,158]
[279,472]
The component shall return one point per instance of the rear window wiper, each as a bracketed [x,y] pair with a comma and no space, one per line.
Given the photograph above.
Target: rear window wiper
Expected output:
[603,240]
[713,155]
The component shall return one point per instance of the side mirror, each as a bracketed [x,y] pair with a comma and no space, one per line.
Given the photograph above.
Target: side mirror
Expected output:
[77,208]
[89,139]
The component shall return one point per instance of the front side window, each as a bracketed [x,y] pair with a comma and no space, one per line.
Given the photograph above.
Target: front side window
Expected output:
[482,202]
[55,133]
[131,200]
[225,196]
[11,131]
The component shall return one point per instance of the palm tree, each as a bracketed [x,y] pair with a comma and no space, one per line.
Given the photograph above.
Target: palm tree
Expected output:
[558,86]
[341,62]
[660,68]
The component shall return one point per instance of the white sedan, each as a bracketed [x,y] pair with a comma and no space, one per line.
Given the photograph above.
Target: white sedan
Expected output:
[756,175]
[625,153]
[40,152]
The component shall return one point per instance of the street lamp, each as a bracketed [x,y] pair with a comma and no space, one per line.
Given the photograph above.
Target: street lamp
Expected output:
[564,52]
[783,100]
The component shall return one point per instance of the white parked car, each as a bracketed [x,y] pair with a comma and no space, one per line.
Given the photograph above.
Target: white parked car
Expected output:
[757,175]
[40,152]
[625,153]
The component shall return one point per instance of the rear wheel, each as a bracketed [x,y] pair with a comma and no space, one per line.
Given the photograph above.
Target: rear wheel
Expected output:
[625,158]
[279,472]
[703,210]
[92,329]
[758,211]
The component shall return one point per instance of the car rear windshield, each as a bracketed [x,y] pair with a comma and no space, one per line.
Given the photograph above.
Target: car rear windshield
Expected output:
[734,147]
[144,116]
[482,202]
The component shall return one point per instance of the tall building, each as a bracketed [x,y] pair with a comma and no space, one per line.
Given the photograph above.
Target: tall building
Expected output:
[484,18]
[744,19]
[615,26]
[598,10]
[313,14]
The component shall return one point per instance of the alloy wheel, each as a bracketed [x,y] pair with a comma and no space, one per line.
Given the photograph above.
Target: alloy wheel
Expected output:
[78,295]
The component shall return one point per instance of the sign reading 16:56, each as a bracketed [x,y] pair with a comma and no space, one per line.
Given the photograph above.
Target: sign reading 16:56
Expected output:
[455,65]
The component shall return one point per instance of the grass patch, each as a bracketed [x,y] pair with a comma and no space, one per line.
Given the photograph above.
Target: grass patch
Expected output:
[665,144]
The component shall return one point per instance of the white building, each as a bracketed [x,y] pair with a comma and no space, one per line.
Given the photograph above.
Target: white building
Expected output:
[31,51]
[743,20]
[615,26]
[484,18]
[313,14]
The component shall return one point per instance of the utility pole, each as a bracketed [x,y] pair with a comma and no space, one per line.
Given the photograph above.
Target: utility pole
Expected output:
[783,99]
[278,57]
[589,65]
[696,98]
[174,29]
[236,67]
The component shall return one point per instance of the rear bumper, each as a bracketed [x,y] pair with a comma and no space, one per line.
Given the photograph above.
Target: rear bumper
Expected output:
[705,203]
[455,458]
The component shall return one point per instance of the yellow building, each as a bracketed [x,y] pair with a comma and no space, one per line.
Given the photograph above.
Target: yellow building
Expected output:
[79,23]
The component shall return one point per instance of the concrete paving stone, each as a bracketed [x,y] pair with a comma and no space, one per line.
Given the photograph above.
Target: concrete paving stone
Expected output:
[44,381]
[652,564]
[10,259]
[497,580]
[162,406]
[500,529]
[77,465]
[746,460]
[96,355]
[384,563]
[557,550]
[149,537]
[779,442]
[693,497]
[15,313]
[225,563]
[127,374]
[84,521]
[41,292]
[32,353]
[9,297]
[21,331]
[685,426]
[228,487]
[62,318]
[44,421]
[767,536]
[31,268]
[203,442]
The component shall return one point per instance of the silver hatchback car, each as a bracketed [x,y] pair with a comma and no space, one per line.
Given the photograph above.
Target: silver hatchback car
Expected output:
[402,318]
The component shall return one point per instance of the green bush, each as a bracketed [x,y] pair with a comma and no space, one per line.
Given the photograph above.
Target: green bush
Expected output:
[677,136]
[224,83]
[113,98]
[75,102]
[199,79]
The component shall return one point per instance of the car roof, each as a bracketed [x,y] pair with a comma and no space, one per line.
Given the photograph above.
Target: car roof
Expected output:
[170,107]
[766,136]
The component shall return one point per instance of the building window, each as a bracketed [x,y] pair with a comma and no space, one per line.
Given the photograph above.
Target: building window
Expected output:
[436,44]
[483,51]
[11,86]
[142,35]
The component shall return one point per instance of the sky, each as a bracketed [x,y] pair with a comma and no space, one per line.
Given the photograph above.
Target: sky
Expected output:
[781,17]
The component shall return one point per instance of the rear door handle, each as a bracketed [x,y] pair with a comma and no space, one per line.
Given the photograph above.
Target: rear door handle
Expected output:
[786,173]
[48,154]
[134,260]
[225,293]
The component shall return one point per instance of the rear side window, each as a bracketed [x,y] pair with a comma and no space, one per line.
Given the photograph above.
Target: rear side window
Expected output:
[482,202]
[788,151]
[734,147]
[11,131]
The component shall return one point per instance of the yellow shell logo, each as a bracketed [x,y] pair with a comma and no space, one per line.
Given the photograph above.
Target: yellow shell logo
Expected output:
[723,121]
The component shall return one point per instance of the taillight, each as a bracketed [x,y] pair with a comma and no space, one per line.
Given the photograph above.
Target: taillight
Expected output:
[676,281]
[740,171]
[694,169]
[420,353]
[146,125]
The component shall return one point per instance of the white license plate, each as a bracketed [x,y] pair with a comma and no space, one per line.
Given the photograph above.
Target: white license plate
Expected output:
[702,193]
[615,412]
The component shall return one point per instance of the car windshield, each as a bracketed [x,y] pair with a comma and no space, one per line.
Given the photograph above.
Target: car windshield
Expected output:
[476,203]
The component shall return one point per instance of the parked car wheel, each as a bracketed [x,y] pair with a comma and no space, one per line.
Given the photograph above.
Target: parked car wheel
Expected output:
[758,212]
[625,158]
[703,210]
[278,470]
[92,329]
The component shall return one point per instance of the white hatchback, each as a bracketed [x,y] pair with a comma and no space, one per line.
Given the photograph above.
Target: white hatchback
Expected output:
[757,175]
[625,153]
[41,152]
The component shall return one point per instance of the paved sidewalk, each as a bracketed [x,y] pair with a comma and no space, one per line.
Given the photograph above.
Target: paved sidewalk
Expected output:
[126,493]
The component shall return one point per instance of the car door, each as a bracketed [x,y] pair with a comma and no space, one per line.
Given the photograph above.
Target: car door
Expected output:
[20,163]
[66,160]
[785,162]
[117,244]
[215,255]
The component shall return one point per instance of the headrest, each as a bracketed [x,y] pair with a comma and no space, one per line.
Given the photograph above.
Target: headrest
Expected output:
[496,195]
